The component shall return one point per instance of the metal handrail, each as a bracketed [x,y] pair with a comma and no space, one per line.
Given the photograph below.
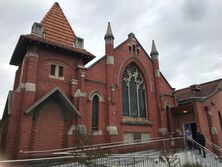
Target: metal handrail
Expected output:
[202,147]
[137,142]
[112,145]
[216,146]
[102,145]
[86,146]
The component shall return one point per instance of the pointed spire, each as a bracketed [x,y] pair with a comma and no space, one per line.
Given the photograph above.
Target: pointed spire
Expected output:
[56,26]
[154,53]
[109,33]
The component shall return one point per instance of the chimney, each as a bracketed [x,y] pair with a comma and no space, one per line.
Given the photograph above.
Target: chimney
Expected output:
[131,35]
[79,43]
[195,88]
[37,29]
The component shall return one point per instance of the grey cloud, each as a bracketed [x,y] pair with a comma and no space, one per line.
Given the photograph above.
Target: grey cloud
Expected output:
[195,9]
[189,48]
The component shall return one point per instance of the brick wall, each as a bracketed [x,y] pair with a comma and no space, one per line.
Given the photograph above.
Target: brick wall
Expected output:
[49,131]
[214,105]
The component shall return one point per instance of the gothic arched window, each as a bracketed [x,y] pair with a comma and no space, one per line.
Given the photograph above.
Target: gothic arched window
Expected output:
[168,118]
[95,112]
[220,119]
[133,92]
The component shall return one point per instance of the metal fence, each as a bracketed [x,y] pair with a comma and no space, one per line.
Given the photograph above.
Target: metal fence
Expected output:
[150,155]
[67,161]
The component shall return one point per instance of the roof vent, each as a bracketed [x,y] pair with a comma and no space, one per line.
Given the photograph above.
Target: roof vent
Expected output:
[195,87]
[131,35]
[79,43]
[37,29]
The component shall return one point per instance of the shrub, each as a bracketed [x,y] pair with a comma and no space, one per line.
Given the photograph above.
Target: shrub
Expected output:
[87,156]
[169,158]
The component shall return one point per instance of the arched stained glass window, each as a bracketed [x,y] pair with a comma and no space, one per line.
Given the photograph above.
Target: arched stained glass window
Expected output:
[95,112]
[133,92]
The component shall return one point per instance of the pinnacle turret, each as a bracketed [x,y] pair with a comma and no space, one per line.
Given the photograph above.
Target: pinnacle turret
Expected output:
[109,34]
[154,53]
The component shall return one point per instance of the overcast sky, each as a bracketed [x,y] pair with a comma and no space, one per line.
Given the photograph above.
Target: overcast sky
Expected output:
[187,33]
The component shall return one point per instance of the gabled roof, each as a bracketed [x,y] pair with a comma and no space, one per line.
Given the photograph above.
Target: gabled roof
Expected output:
[58,94]
[205,91]
[56,26]
[128,39]
[153,49]
[121,44]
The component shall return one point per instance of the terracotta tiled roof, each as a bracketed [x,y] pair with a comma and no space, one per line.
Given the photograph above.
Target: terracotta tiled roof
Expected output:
[56,26]
[206,90]
[58,35]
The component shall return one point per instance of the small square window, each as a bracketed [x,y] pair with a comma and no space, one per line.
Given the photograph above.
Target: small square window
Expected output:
[56,71]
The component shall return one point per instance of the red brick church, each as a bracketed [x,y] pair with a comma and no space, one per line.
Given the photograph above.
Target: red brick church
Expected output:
[121,97]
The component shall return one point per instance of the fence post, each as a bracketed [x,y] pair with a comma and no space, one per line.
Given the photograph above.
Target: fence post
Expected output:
[164,146]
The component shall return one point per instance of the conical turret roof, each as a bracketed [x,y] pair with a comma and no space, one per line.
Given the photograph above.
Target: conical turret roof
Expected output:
[154,50]
[57,34]
[109,31]
[56,26]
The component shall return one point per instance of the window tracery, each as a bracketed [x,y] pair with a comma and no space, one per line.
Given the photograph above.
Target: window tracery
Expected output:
[133,92]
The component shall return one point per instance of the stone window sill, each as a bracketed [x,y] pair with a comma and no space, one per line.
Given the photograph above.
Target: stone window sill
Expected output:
[55,77]
[136,121]
[97,132]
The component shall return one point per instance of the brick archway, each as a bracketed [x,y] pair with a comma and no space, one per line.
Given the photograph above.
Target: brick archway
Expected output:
[49,129]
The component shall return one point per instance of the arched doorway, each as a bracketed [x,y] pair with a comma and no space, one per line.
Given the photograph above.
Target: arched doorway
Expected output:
[49,129]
